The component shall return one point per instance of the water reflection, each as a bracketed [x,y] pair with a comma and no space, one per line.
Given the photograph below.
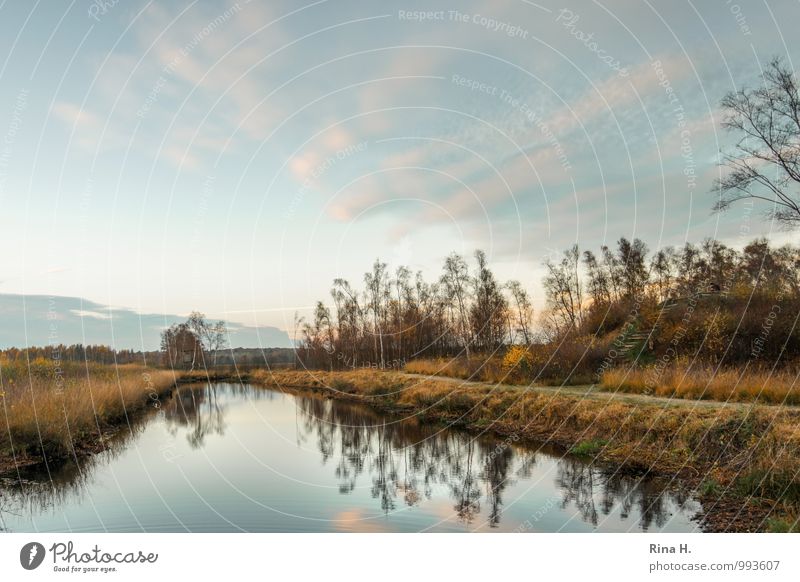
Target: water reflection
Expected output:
[375,463]
[407,462]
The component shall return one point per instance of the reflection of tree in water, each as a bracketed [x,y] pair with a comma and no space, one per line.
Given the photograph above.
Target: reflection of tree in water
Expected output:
[495,474]
[198,408]
[201,409]
[39,489]
[406,460]
[463,487]
[590,488]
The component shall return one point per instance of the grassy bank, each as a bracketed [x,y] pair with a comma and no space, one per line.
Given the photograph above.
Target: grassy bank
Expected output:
[751,455]
[60,409]
[483,370]
[680,379]
[707,383]
[743,461]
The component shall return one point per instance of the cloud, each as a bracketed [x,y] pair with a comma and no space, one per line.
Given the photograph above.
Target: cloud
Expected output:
[87,313]
[72,114]
[28,320]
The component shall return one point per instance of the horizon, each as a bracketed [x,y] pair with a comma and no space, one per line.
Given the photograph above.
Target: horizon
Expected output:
[115,322]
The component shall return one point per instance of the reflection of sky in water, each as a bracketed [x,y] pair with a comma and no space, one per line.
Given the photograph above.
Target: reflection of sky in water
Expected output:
[233,458]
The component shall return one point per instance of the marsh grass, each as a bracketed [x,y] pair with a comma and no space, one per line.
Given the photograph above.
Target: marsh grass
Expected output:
[783,525]
[709,487]
[588,448]
[55,408]
[707,383]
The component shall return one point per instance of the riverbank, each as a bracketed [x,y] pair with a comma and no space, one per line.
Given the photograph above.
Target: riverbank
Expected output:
[741,461]
[675,379]
[53,410]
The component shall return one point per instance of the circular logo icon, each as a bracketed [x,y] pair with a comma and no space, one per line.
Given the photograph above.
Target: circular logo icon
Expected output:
[31,555]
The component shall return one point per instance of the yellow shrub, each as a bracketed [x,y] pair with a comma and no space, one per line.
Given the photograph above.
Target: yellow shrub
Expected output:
[517,358]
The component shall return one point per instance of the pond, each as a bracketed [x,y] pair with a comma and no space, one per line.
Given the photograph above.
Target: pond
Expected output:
[230,457]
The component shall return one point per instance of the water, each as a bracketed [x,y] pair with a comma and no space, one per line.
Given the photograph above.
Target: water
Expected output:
[226,457]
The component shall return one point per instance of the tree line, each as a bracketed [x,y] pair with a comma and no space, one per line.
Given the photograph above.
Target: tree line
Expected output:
[398,316]
[590,298]
[76,353]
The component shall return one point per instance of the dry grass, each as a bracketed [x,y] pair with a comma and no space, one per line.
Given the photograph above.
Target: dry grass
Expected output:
[678,380]
[748,451]
[574,364]
[706,383]
[56,409]
[362,383]
[477,368]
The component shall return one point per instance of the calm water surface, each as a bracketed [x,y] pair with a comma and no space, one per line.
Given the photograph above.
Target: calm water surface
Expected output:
[225,457]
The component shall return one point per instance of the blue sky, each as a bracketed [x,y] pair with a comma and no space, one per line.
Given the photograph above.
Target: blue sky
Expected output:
[236,157]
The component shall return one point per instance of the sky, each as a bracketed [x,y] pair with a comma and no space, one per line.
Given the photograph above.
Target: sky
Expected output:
[236,157]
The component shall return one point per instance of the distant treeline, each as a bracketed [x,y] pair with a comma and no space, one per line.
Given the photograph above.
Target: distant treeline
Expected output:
[708,300]
[244,357]
[81,353]
[199,343]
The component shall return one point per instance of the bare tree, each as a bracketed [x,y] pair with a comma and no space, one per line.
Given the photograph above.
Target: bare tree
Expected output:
[213,336]
[599,279]
[488,314]
[523,310]
[564,291]
[662,267]
[455,282]
[632,258]
[377,293]
[765,164]
[180,347]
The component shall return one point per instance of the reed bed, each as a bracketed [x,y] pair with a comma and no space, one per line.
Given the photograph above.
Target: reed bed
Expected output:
[54,409]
